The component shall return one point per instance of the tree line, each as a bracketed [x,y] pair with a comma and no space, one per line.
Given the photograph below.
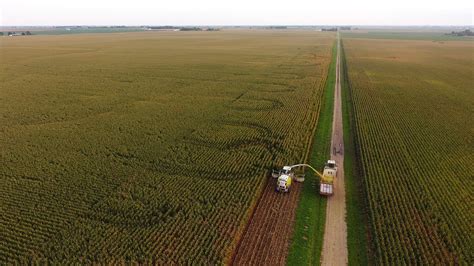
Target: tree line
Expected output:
[13,33]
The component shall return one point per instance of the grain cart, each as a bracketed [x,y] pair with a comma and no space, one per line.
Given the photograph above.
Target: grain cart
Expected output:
[326,184]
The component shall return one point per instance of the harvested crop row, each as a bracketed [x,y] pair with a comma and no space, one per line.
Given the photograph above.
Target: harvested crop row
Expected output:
[267,237]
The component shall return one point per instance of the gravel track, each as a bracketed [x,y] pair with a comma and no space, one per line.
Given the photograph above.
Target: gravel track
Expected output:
[335,233]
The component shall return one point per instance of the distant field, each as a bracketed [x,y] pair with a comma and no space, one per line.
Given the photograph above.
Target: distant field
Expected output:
[413,109]
[61,31]
[148,146]
[406,35]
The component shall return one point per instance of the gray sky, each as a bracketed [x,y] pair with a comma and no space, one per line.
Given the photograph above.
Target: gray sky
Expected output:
[240,12]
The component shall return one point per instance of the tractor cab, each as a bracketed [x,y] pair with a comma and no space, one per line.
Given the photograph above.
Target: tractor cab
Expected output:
[330,164]
[330,168]
[286,170]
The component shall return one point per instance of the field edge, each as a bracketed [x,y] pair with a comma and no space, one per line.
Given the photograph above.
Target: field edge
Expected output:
[358,230]
[308,232]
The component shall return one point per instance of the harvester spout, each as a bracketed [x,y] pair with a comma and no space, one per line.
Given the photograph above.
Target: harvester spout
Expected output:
[310,167]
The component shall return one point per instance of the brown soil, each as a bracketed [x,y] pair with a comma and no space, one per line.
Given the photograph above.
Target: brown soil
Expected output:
[267,237]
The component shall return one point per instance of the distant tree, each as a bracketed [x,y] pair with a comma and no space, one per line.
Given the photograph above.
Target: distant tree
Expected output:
[329,29]
[23,33]
[163,27]
[190,29]
[467,32]
[1,33]
[28,32]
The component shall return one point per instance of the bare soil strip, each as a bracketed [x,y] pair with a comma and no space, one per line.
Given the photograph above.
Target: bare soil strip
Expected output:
[267,238]
[335,233]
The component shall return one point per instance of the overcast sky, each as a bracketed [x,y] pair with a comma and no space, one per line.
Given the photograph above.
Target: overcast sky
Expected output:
[236,12]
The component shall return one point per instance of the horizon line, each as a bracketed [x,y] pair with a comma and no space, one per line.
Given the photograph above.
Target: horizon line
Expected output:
[244,25]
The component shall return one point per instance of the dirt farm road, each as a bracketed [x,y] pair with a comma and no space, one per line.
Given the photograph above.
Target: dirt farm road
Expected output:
[335,233]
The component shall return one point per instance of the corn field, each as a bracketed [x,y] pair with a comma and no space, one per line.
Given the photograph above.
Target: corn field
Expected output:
[148,147]
[412,103]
